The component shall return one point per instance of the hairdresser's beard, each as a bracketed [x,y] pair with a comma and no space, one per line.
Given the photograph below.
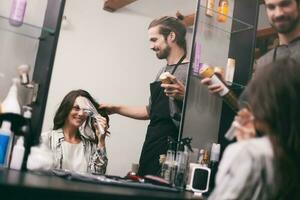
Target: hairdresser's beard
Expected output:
[163,53]
[286,24]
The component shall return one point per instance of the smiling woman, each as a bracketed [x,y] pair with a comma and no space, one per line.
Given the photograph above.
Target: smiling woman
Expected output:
[73,148]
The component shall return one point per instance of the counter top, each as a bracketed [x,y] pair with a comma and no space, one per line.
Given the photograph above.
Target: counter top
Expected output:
[28,185]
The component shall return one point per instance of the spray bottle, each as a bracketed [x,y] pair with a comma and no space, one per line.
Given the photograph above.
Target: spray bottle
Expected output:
[181,162]
[213,164]
[168,165]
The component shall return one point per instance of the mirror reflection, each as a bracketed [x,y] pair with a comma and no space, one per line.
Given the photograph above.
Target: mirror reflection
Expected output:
[107,54]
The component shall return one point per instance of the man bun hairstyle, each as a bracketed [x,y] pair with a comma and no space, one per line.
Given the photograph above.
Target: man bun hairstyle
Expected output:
[169,24]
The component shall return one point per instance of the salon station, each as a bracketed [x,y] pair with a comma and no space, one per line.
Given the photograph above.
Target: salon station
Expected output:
[139,99]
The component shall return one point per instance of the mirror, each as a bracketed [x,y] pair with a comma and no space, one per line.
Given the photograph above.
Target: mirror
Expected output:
[207,117]
[108,55]
[19,45]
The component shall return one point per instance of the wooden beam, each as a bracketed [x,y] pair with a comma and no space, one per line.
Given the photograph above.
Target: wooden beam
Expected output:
[113,5]
[187,20]
[266,32]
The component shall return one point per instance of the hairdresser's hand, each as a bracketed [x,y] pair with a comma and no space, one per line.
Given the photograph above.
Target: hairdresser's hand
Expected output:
[110,108]
[214,88]
[244,124]
[175,90]
[101,127]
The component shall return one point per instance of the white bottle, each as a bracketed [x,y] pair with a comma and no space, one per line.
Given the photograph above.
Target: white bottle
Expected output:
[5,143]
[229,72]
[11,103]
[18,154]
[17,12]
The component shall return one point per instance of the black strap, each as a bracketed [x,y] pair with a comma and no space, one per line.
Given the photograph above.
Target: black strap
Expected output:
[275,54]
[178,63]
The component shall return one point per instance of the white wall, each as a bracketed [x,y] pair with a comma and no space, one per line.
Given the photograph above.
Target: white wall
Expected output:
[108,55]
[262,18]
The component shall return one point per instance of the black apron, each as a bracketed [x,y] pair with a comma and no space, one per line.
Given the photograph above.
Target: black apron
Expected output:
[161,126]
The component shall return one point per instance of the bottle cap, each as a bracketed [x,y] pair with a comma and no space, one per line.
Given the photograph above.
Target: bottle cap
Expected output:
[6,125]
[24,68]
[27,112]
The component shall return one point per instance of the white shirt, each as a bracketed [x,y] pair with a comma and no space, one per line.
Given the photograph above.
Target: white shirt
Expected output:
[74,158]
[246,171]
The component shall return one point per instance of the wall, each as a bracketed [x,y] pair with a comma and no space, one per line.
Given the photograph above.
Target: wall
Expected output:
[262,18]
[108,55]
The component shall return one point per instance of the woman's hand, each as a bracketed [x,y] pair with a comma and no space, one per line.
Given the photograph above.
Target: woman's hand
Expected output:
[101,127]
[214,88]
[244,125]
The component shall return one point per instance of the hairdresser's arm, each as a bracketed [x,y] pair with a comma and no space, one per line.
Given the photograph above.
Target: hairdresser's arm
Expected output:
[135,112]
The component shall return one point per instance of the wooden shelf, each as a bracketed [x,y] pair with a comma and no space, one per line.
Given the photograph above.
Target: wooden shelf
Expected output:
[265,33]
[113,5]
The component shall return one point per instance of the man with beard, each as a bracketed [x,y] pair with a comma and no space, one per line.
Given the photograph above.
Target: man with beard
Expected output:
[284,17]
[167,40]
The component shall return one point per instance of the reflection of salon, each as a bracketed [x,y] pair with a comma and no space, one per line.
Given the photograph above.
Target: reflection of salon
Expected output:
[68,75]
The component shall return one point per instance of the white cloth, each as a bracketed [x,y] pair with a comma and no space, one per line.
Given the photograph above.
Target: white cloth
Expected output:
[246,171]
[74,158]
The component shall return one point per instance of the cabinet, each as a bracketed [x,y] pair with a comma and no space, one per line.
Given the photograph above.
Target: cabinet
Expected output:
[41,41]
[206,118]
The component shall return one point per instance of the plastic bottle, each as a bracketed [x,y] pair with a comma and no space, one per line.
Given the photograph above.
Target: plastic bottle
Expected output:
[229,72]
[11,103]
[167,166]
[214,161]
[223,10]
[17,12]
[181,166]
[210,4]
[5,143]
[18,154]
[227,95]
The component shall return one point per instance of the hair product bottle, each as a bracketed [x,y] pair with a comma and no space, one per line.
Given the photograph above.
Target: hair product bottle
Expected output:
[17,154]
[17,12]
[5,143]
[167,167]
[227,95]
[181,166]
[223,10]
[210,4]
[229,72]
[213,164]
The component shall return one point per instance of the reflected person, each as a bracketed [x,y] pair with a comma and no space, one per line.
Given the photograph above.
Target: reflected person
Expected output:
[77,144]
[266,167]
[284,17]
[167,40]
